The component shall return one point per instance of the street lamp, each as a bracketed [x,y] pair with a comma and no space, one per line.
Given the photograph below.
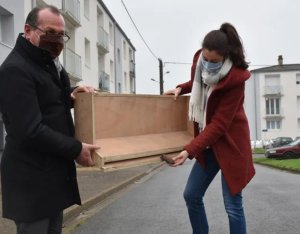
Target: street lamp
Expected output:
[163,74]
[154,80]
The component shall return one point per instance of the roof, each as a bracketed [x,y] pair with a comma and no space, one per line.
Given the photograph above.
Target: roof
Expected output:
[278,68]
[118,26]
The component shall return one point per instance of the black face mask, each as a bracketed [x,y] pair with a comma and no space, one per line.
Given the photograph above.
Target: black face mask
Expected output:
[51,43]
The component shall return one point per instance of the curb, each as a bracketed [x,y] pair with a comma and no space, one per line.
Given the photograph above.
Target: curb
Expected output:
[73,211]
[278,168]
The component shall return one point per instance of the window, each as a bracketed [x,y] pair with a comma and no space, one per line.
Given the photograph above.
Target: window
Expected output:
[272,84]
[111,33]
[125,81]
[124,49]
[298,102]
[273,106]
[119,88]
[87,9]
[6,27]
[130,55]
[87,53]
[274,125]
[112,70]
[119,56]
[132,85]
[298,79]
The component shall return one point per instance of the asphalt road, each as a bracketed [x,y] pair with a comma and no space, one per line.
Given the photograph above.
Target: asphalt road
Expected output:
[156,206]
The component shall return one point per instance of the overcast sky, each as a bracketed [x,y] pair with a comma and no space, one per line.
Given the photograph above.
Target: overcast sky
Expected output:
[174,30]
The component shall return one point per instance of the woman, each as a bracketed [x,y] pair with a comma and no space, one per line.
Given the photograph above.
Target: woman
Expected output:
[222,139]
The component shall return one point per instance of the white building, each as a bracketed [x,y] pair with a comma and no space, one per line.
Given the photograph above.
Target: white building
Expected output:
[272,101]
[98,54]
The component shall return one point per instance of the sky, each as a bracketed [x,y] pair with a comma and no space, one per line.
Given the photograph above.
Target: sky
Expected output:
[174,30]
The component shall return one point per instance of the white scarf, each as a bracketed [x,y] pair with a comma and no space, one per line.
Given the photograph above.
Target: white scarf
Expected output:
[202,81]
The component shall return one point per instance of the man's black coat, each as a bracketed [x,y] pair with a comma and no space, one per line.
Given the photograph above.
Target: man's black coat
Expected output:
[38,171]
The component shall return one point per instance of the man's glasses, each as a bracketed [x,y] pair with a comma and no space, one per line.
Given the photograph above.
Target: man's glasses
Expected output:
[53,37]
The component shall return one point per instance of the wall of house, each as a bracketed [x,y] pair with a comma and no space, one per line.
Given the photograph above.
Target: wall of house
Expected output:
[288,104]
[123,65]
[250,106]
[86,37]
[119,61]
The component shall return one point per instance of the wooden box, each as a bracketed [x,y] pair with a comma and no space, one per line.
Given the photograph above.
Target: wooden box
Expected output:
[132,130]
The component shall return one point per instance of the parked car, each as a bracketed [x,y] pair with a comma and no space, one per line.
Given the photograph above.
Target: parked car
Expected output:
[292,150]
[281,141]
[296,138]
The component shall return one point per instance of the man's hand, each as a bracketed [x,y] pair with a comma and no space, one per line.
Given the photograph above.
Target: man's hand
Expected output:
[175,92]
[84,158]
[83,89]
[180,159]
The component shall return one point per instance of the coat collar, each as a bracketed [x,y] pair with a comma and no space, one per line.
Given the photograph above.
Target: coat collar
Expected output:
[39,56]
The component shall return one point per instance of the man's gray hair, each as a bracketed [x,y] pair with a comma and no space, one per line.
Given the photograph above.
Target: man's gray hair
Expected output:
[33,16]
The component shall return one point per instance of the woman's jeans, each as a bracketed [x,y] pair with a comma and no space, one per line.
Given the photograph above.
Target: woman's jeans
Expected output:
[198,182]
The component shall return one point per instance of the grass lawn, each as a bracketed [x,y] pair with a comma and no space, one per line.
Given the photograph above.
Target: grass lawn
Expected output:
[292,165]
[259,151]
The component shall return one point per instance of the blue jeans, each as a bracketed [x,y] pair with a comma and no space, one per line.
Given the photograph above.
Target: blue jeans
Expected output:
[198,182]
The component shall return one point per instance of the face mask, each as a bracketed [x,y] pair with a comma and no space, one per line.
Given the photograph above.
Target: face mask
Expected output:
[50,44]
[211,66]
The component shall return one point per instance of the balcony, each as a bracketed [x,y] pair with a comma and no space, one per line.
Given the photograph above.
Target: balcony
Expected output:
[104,82]
[103,41]
[71,12]
[273,113]
[72,62]
[132,69]
[273,90]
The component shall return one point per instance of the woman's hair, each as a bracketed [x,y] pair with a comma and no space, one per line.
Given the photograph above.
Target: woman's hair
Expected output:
[226,42]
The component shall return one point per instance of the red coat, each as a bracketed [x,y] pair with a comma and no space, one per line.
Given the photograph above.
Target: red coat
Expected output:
[227,129]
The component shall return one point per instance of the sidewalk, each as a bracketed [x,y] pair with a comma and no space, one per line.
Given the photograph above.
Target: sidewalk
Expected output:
[94,186]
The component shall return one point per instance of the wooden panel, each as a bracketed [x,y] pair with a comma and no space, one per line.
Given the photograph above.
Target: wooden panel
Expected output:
[97,159]
[122,148]
[132,115]
[132,130]
[84,118]
[112,166]
[131,163]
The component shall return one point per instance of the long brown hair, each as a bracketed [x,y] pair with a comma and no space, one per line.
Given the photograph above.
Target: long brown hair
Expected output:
[226,42]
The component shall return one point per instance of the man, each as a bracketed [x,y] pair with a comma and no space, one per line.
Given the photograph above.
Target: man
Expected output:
[38,171]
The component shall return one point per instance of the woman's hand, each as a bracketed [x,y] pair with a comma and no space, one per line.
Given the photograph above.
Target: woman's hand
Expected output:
[180,159]
[175,92]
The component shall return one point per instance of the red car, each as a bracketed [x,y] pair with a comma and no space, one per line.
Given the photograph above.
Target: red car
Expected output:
[289,151]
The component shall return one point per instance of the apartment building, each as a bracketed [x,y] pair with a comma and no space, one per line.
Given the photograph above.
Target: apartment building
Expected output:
[95,55]
[272,102]
[98,54]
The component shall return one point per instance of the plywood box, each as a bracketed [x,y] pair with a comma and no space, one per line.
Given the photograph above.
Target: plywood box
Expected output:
[132,130]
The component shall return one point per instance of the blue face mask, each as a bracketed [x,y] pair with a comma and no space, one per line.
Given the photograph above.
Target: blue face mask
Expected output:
[211,66]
